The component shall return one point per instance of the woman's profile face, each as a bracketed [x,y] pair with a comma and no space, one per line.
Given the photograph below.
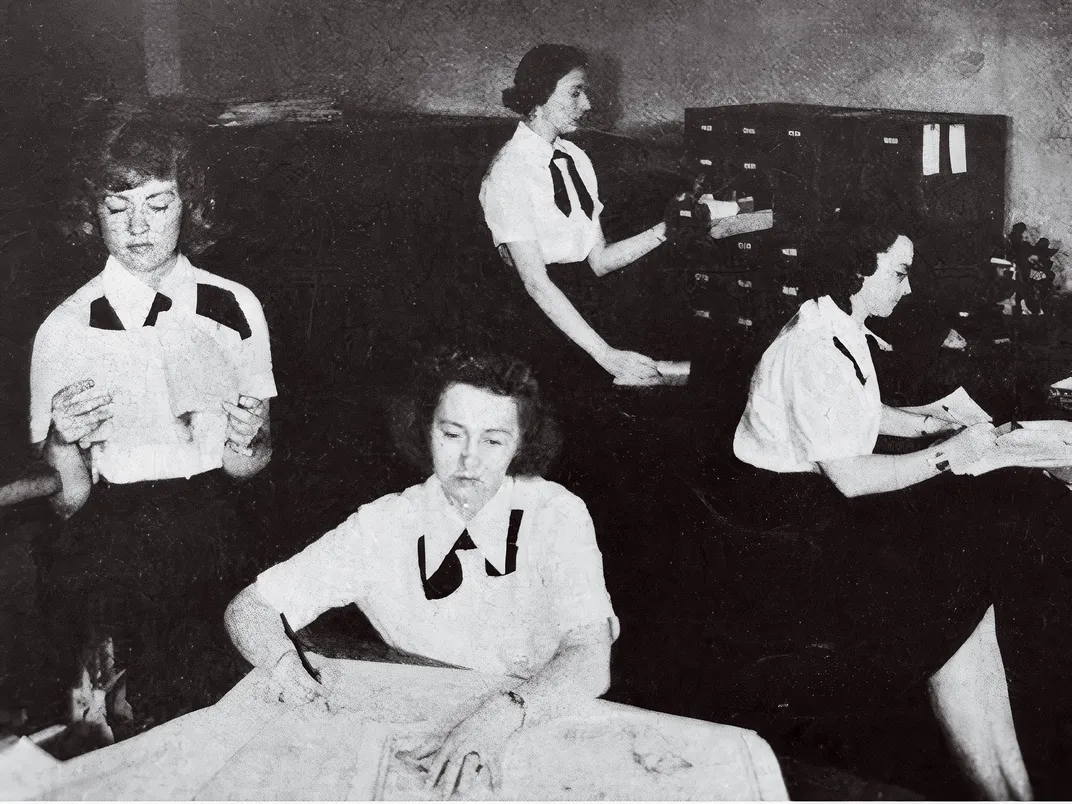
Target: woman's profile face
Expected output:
[568,103]
[141,226]
[882,291]
[475,435]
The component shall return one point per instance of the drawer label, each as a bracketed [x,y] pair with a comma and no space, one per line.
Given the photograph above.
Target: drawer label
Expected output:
[891,140]
[744,283]
[789,252]
[706,128]
[749,165]
[747,130]
[705,161]
[744,322]
[788,291]
[744,245]
[794,133]
[702,313]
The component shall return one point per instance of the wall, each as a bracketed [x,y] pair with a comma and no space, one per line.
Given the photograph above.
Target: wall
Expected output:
[655,58]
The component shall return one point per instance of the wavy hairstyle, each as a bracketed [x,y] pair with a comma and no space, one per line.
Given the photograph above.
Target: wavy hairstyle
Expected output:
[126,148]
[499,374]
[538,74]
[846,252]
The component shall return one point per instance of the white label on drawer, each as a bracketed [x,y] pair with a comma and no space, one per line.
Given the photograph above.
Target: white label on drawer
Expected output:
[744,245]
[931,138]
[705,161]
[747,130]
[706,128]
[891,140]
[702,313]
[749,165]
[794,133]
[744,283]
[958,162]
[744,322]
[789,252]
[701,277]
[788,291]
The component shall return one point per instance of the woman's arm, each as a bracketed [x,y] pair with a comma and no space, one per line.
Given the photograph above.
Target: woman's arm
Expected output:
[906,424]
[75,477]
[605,258]
[256,417]
[256,629]
[580,668]
[874,474]
[528,261]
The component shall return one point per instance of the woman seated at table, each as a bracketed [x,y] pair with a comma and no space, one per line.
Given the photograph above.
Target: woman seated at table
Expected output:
[902,576]
[485,565]
[149,395]
[541,203]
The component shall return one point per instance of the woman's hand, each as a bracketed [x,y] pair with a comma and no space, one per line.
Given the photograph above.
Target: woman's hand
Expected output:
[968,446]
[698,217]
[244,422]
[463,752]
[629,367]
[78,411]
[289,683]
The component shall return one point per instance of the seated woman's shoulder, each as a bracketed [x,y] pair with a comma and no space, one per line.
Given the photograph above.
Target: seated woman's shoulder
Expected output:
[538,493]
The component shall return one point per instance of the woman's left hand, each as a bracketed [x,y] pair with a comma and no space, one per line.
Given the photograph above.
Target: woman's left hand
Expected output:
[244,421]
[462,752]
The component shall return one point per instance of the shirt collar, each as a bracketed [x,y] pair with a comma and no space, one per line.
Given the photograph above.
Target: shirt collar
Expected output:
[132,299]
[488,529]
[844,325]
[535,146]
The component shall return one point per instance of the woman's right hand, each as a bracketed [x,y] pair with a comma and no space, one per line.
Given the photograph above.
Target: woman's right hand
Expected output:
[78,411]
[629,367]
[289,683]
[968,446]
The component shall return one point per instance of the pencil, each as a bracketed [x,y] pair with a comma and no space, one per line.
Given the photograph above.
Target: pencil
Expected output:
[312,671]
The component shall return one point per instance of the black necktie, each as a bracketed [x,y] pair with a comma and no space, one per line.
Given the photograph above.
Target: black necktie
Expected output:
[562,199]
[446,580]
[845,351]
[161,304]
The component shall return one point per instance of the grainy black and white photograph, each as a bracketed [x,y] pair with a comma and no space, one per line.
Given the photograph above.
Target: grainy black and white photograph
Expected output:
[535,399]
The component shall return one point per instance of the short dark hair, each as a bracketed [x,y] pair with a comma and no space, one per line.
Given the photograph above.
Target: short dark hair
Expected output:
[128,147]
[500,374]
[846,251]
[538,74]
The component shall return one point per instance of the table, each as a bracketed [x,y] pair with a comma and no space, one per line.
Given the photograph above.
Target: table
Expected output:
[250,747]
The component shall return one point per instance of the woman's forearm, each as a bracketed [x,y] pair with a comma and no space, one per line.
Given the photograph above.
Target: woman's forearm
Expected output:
[610,257]
[75,476]
[241,466]
[577,670]
[875,474]
[908,424]
[527,259]
[256,629]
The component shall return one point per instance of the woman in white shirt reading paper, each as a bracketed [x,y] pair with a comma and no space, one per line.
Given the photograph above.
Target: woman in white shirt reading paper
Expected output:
[541,202]
[888,565]
[485,565]
[149,395]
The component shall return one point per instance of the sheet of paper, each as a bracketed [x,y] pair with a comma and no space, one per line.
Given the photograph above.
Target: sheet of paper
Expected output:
[931,145]
[958,157]
[957,407]
[1037,444]
[743,223]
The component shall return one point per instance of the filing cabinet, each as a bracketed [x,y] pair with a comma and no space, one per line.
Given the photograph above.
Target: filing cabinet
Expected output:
[806,162]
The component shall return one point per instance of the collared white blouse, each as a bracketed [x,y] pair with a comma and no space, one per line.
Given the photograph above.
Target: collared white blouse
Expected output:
[506,622]
[208,341]
[518,198]
[811,400]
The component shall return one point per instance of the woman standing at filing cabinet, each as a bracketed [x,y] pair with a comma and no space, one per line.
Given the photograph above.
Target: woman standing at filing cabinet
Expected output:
[541,202]
[149,395]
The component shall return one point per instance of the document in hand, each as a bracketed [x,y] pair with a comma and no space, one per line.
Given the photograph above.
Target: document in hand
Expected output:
[958,408]
[1039,444]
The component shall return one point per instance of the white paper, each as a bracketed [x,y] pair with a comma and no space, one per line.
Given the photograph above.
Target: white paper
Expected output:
[958,159]
[957,407]
[931,145]
[1038,444]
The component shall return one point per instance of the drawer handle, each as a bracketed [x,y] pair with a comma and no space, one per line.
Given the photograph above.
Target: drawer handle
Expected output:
[701,277]
[744,283]
[794,133]
[744,322]
[747,130]
[749,165]
[702,313]
[789,252]
[705,161]
[788,291]
[706,128]
[744,245]
[890,140]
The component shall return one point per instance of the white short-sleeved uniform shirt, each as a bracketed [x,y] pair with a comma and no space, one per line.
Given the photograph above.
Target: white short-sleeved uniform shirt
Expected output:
[518,197]
[168,363]
[811,400]
[506,624]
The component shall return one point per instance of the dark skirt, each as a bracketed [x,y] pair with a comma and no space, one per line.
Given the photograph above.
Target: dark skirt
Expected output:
[152,565]
[876,593]
[515,323]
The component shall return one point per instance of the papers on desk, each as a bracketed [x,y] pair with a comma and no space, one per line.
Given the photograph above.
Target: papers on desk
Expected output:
[250,746]
[957,408]
[1039,445]
[670,372]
